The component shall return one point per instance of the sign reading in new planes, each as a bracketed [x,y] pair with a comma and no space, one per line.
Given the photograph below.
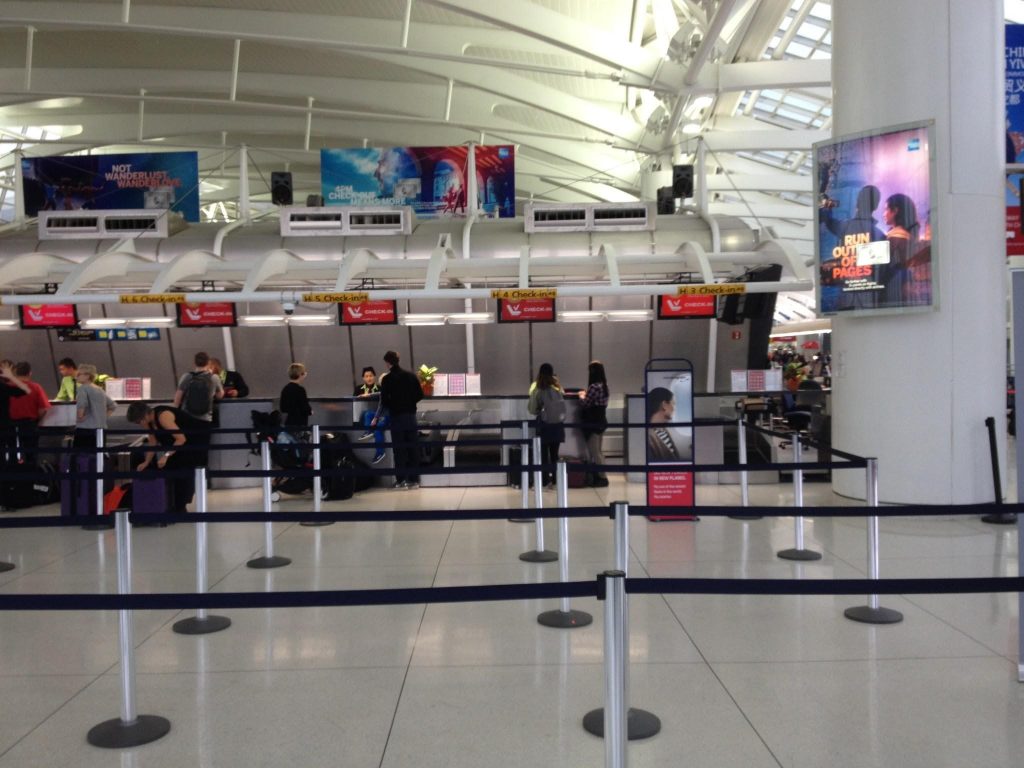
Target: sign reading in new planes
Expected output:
[344,297]
[378,312]
[526,310]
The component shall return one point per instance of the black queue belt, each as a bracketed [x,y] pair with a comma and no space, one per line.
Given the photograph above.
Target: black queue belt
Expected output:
[307,599]
[984,584]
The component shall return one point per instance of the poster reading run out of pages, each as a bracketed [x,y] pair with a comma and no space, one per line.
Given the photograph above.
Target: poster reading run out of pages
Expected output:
[669,430]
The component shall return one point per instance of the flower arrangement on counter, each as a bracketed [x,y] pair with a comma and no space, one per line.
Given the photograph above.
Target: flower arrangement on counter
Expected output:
[426,377]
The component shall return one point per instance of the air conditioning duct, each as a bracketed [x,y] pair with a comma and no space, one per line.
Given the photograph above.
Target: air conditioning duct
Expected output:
[589,217]
[103,225]
[346,221]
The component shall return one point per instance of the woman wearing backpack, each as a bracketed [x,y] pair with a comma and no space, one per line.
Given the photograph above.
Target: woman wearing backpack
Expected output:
[547,404]
[594,417]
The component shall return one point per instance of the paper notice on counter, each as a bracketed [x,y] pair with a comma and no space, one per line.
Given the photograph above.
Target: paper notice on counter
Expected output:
[739,380]
[756,381]
[773,380]
[473,384]
[440,385]
[456,384]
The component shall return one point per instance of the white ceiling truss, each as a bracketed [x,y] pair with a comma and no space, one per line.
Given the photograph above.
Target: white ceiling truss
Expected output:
[594,93]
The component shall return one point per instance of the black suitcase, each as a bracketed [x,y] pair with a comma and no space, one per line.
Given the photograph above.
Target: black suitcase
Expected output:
[340,483]
[515,474]
[38,485]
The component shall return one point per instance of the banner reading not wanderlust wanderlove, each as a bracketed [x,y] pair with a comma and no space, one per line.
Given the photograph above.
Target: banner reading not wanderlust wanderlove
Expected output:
[148,180]
[433,180]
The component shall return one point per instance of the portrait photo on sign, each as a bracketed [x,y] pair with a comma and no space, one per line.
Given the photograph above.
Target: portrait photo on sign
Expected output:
[668,413]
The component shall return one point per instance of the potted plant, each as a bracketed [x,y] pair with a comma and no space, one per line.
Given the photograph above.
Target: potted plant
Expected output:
[793,374]
[426,376]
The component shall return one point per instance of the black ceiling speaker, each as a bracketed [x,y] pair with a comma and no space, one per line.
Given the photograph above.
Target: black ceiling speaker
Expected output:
[682,180]
[281,188]
[666,201]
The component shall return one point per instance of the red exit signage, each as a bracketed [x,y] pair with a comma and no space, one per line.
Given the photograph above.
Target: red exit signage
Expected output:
[377,312]
[526,310]
[686,306]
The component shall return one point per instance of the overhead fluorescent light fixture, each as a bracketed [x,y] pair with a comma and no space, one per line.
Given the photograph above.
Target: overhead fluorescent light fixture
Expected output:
[580,316]
[103,322]
[470,318]
[421,319]
[627,315]
[8,325]
[310,320]
[261,320]
[149,322]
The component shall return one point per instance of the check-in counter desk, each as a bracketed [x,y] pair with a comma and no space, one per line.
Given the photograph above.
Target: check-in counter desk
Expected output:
[720,444]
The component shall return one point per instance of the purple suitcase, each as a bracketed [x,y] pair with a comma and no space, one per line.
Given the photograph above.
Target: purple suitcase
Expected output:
[150,495]
[77,493]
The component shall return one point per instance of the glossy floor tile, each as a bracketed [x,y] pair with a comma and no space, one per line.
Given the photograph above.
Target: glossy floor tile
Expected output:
[737,680]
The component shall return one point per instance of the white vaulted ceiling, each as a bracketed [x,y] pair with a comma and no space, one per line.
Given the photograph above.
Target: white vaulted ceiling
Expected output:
[592,92]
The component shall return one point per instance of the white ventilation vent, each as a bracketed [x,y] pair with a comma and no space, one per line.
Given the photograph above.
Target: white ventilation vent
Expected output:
[343,221]
[589,217]
[103,225]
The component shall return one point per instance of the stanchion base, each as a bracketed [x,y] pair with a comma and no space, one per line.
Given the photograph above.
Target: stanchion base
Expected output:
[640,724]
[799,554]
[7,567]
[117,734]
[536,556]
[565,619]
[269,562]
[204,626]
[868,615]
[745,517]
[522,519]
[1000,518]
[316,524]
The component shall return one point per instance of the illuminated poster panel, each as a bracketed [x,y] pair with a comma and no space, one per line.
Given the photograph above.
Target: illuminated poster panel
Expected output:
[874,219]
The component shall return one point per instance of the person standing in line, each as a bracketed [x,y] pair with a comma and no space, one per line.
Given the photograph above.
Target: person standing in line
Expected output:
[196,393]
[172,429]
[548,405]
[93,407]
[68,381]
[594,417]
[374,420]
[294,403]
[400,390]
[27,410]
[10,387]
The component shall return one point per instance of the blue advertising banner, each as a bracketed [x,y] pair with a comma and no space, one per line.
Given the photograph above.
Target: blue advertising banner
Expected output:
[430,179]
[109,182]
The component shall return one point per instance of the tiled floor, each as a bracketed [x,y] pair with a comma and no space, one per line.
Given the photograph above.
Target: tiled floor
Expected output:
[737,680]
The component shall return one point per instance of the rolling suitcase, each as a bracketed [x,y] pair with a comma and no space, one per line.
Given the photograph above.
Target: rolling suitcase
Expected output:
[77,489]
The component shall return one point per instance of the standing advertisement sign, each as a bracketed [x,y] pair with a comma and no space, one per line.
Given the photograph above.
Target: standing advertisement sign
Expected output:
[669,445]
[1014,137]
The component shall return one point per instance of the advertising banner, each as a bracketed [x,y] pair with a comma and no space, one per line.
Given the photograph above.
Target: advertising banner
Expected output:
[669,409]
[138,181]
[1014,136]
[430,179]
[220,314]
[378,312]
[670,307]
[874,221]
[526,311]
[48,316]
[109,334]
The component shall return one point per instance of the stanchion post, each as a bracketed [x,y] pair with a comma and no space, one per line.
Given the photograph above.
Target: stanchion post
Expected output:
[269,559]
[741,436]
[131,729]
[996,518]
[798,552]
[318,483]
[873,613]
[201,623]
[102,523]
[566,617]
[539,553]
[614,670]
[640,724]
[524,475]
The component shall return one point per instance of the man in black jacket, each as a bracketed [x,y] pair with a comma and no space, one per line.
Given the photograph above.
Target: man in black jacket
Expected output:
[399,392]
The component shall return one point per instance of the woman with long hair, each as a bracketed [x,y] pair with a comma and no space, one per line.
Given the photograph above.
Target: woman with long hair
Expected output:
[548,405]
[900,216]
[594,418]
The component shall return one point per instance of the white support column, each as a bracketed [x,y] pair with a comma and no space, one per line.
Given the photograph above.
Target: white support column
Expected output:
[142,113]
[30,36]
[244,212]
[19,185]
[944,369]
[234,69]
